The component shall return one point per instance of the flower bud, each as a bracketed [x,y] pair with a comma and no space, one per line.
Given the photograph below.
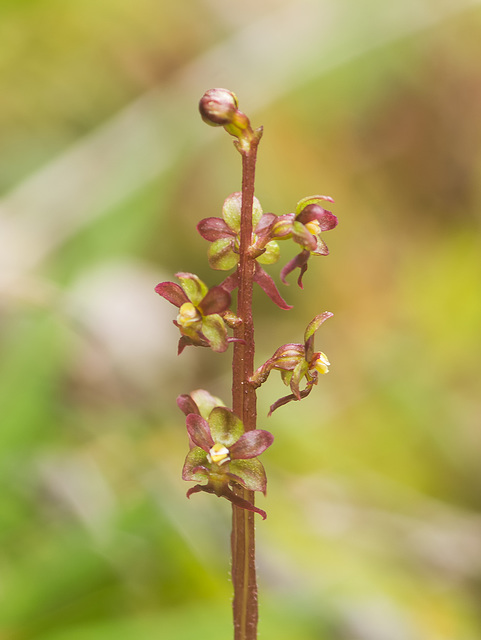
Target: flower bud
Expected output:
[218,107]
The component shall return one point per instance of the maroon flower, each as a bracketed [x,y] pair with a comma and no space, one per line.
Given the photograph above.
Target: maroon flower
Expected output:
[224,236]
[296,361]
[224,454]
[200,311]
[305,227]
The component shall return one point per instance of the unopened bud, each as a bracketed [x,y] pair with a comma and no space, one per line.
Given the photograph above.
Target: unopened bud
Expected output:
[218,107]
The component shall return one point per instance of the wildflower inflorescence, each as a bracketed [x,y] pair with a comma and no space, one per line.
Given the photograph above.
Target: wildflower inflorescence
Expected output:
[223,455]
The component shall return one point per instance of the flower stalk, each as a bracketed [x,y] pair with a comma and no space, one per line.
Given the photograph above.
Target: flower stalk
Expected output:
[224,443]
[244,403]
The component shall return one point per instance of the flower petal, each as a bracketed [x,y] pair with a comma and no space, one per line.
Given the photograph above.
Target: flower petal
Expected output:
[187,404]
[216,300]
[172,292]
[300,261]
[314,324]
[240,502]
[231,211]
[214,329]
[193,286]
[302,204]
[251,444]
[221,254]
[268,285]
[325,218]
[205,401]
[231,282]
[199,431]
[271,253]
[282,226]
[248,473]
[212,229]
[297,375]
[303,236]
[194,465]
[286,399]
[265,224]
[225,427]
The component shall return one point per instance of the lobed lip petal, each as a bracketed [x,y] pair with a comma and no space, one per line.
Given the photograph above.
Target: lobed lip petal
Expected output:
[267,284]
[300,261]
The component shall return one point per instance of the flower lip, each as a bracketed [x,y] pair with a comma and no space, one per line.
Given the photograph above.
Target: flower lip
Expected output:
[320,363]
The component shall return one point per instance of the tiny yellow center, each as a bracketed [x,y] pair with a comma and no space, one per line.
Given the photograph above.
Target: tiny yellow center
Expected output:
[188,315]
[321,363]
[313,226]
[218,454]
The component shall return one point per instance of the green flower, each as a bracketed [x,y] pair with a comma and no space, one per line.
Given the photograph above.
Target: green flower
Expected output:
[200,318]
[224,454]
[295,362]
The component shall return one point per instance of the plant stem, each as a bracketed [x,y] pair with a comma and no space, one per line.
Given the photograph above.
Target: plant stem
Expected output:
[244,405]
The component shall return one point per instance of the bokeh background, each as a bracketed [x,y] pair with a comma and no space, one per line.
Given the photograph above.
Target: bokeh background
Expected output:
[374,523]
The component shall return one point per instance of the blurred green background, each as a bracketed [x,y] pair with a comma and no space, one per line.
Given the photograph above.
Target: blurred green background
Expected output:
[374,523]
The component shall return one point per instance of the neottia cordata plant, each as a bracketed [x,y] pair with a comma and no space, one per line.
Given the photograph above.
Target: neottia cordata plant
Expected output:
[225,443]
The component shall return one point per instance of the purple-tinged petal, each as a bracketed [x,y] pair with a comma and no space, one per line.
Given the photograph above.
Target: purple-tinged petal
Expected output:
[302,204]
[225,427]
[282,226]
[286,399]
[251,444]
[196,489]
[240,502]
[172,292]
[199,431]
[303,236]
[299,262]
[248,473]
[267,284]
[321,248]
[187,404]
[185,341]
[265,224]
[325,218]
[225,492]
[212,229]
[195,465]
[315,323]
[231,282]
[216,300]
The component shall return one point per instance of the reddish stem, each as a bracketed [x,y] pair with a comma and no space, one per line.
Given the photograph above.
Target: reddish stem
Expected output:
[244,405]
